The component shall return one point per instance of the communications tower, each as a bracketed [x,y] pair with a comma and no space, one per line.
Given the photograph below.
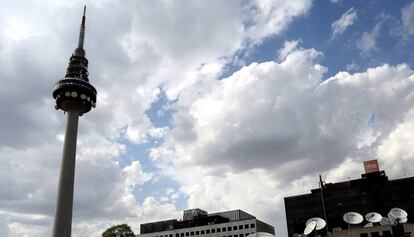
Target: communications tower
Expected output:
[75,96]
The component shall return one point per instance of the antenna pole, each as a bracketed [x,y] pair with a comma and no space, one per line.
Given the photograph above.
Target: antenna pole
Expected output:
[323,201]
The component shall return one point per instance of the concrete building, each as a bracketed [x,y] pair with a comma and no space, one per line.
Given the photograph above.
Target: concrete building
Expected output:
[198,223]
[373,192]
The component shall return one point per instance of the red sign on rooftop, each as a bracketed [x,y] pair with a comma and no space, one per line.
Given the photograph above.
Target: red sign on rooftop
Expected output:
[371,166]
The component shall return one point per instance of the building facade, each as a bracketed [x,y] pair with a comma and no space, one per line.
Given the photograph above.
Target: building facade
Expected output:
[373,192]
[198,223]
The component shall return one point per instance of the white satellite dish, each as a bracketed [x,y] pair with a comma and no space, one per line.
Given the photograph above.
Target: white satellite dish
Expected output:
[260,234]
[320,223]
[403,220]
[353,218]
[385,221]
[398,213]
[309,227]
[373,217]
[391,217]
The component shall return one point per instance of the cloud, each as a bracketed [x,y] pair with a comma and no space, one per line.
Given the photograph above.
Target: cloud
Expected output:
[269,129]
[407,19]
[347,19]
[143,48]
[368,41]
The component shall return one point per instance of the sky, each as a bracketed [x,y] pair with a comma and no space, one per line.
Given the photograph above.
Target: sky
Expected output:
[217,105]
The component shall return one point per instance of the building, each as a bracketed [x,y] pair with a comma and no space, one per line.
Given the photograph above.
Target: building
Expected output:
[373,192]
[198,223]
[75,96]
[375,231]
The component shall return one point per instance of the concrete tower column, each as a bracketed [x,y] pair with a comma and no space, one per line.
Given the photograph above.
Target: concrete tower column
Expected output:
[63,214]
[76,96]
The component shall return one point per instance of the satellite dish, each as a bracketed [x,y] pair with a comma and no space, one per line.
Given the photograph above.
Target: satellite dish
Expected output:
[373,217]
[353,218]
[320,223]
[403,220]
[260,234]
[309,227]
[398,213]
[391,217]
[385,221]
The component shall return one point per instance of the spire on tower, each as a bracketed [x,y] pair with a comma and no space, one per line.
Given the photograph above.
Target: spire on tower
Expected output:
[79,50]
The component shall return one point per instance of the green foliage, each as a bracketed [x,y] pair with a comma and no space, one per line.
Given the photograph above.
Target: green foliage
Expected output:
[118,231]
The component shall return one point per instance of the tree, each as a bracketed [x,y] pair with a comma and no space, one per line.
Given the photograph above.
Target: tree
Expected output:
[118,231]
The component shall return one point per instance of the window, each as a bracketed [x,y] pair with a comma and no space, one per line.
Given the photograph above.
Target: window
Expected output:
[375,234]
[235,236]
[246,226]
[202,232]
[207,231]
[229,228]
[192,233]
[235,227]
[187,234]
[240,235]
[252,225]
[363,235]
[386,233]
[240,227]
[213,230]
[170,235]
[177,235]
[223,229]
[218,230]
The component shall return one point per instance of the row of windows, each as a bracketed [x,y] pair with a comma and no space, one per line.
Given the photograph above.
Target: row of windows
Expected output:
[213,231]
[189,233]
[376,234]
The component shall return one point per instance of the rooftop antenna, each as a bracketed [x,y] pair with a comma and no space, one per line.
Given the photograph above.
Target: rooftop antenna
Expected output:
[319,224]
[322,186]
[352,218]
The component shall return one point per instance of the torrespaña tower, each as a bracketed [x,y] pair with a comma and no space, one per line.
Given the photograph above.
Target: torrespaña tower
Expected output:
[75,96]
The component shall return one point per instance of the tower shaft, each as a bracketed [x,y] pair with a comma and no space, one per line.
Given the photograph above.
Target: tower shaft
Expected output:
[63,215]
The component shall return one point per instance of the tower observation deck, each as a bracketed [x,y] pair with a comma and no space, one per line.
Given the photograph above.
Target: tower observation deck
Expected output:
[76,96]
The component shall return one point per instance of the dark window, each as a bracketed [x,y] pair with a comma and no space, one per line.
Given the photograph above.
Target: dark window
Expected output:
[229,228]
[252,225]
[363,235]
[240,227]
[182,234]
[223,229]
[187,234]
[213,230]
[235,227]
[240,235]
[197,232]
[177,235]
[170,235]
[202,232]
[375,234]
[218,230]
[235,236]
[246,226]
[386,233]
[192,233]
[207,231]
